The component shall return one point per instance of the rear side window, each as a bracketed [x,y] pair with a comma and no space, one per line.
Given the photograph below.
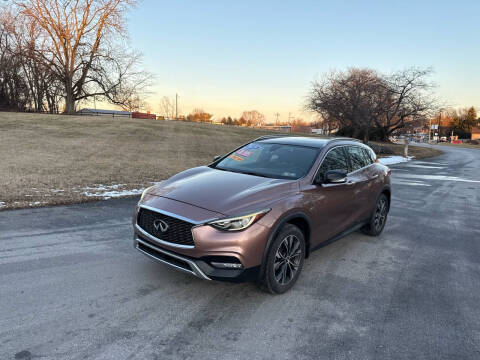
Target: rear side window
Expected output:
[358,158]
[335,160]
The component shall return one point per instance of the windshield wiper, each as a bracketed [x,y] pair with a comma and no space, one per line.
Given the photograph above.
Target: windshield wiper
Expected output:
[253,173]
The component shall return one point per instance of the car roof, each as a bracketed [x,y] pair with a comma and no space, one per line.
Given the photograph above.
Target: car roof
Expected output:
[317,142]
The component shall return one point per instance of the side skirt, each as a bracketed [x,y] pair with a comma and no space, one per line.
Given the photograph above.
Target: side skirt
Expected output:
[344,233]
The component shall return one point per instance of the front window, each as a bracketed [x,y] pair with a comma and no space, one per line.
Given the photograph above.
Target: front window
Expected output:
[335,160]
[358,158]
[278,161]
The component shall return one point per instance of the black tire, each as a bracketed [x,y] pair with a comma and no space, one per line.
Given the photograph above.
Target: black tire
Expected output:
[378,218]
[284,260]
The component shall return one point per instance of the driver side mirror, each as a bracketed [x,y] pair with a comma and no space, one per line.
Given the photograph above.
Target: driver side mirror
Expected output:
[217,157]
[335,177]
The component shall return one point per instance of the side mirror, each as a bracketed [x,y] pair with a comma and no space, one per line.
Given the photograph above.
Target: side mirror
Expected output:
[335,177]
[217,157]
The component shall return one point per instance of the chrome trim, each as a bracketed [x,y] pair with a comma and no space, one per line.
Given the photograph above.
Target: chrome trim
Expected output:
[195,270]
[163,242]
[176,215]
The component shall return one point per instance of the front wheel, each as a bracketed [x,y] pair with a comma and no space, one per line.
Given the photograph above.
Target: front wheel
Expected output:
[379,217]
[284,260]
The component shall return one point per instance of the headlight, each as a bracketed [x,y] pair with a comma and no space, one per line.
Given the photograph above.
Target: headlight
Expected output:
[240,222]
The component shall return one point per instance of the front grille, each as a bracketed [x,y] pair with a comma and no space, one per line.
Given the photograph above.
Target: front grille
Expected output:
[178,232]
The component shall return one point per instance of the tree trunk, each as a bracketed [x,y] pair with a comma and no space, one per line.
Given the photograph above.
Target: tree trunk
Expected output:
[69,99]
[365,137]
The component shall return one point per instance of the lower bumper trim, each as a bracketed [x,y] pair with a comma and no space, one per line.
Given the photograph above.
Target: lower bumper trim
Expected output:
[176,261]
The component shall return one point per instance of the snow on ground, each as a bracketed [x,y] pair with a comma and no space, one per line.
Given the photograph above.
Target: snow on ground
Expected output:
[112,191]
[390,160]
[2,204]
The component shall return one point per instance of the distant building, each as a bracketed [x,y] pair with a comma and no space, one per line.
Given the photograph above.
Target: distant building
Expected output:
[139,115]
[282,128]
[101,112]
[476,133]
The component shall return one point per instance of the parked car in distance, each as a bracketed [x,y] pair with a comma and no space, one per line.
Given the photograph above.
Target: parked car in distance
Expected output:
[258,212]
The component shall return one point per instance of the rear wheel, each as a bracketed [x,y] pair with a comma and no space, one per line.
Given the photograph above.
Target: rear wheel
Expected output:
[379,217]
[284,260]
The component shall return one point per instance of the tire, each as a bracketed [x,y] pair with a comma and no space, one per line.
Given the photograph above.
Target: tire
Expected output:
[378,218]
[284,261]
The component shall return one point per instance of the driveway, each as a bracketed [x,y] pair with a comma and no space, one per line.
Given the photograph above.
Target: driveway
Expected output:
[73,287]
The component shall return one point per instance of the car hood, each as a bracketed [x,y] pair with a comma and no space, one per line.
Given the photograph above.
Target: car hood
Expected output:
[222,191]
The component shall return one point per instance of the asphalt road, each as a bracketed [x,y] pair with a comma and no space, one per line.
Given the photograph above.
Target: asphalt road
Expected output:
[73,287]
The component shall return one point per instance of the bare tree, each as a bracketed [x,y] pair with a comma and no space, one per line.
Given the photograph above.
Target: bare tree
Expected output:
[407,99]
[253,117]
[198,115]
[167,108]
[363,102]
[82,50]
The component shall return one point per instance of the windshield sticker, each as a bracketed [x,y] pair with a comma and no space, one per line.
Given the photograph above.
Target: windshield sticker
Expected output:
[252,147]
[243,152]
[237,158]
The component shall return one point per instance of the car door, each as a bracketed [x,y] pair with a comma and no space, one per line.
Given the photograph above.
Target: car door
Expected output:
[331,206]
[361,179]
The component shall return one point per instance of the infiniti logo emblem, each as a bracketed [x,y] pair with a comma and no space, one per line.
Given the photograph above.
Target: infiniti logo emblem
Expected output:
[160,225]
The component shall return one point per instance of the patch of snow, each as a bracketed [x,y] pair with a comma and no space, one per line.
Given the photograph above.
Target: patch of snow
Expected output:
[113,193]
[390,160]
[2,204]
[35,203]
[56,190]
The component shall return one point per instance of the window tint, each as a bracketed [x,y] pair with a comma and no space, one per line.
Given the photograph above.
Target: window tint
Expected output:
[335,160]
[358,158]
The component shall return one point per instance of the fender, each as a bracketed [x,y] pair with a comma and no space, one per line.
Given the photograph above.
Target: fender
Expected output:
[278,226]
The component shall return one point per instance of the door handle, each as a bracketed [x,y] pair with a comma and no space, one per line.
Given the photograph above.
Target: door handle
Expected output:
[374,177]
[350,182]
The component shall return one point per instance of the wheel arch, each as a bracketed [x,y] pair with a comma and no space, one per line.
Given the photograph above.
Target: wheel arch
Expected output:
[297,218]
[388,193]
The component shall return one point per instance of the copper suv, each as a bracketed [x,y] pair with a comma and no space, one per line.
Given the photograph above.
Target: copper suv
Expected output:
[257,213]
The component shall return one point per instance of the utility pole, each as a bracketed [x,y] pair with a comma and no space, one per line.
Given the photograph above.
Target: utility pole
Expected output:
[276,118]
[290,118]
[176,106]
[429,129]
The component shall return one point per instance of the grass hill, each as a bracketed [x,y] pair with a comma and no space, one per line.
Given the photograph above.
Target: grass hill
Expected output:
[55,159]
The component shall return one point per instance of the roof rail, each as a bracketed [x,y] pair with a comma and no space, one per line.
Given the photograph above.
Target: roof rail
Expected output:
[269,137]
[343,139]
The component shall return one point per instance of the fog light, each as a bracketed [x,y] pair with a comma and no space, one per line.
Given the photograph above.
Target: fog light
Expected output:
[227,265]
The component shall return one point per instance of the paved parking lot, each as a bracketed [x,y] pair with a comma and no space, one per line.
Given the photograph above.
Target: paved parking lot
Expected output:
[72,286]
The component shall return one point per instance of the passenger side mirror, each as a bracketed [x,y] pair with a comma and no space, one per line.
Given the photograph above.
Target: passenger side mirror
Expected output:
[217,157]
[335,177]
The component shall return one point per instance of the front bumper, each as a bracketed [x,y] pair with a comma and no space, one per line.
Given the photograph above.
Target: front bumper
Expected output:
[244,248]
[201,268]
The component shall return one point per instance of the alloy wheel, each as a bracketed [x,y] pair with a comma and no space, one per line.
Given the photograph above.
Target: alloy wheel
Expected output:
[381,214]
[287,259]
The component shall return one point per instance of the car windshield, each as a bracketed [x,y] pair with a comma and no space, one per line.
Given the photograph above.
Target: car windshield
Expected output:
[278,161]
